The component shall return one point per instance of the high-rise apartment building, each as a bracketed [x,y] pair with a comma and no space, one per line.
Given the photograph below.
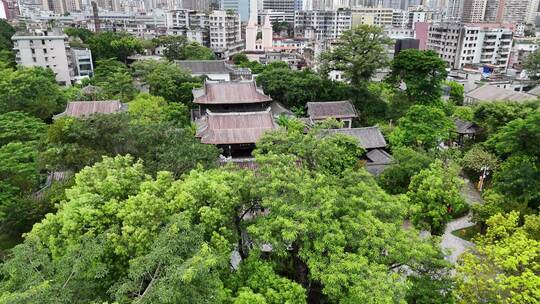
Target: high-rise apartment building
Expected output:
[45,48]
[61,6]
[196,5]
[453,10]
[225,33]
[322,25]
[280,5]
[506,11]
[378,16]
[473,11]
[471,43]
[532,11]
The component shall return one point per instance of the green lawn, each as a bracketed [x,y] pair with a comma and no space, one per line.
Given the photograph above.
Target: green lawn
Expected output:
[467,233]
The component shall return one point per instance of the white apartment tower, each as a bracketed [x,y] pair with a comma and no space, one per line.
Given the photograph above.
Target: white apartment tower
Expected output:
[225,33]
[473,10]
[45,48]
[471,43]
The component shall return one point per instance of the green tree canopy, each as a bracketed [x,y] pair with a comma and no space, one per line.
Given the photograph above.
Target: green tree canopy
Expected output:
[179,48]
[167,80]
[114,79]
[75,143]
[422,126]
[520,136]
[7,56]
[494,115]
[359,53]
[297,88]
[30,90]
[434,194]
[407,163]
[423,73]
[503,266]
[18,126]
[117,45]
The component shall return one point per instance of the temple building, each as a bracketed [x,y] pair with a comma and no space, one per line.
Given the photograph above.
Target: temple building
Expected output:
[84,109]
[343,111]
[220,97]
[235,133]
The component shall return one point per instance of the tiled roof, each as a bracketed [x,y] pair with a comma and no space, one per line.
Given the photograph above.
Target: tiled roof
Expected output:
[229,93]
[466,127]
[331,109]
[234,128]
[205,67]
[493,93]
[368,138]
[87,108]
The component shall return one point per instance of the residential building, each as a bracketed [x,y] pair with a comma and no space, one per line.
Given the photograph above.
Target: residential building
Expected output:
[473,11]
[453,10]
[400,18]
[280,5]
[532,11]
[45,48]
[506,11]
[472,43]
[196,5]
[330,5]
[321,25]
[82,62]
[522,48]
[489,93]
[276,16]
[378,16]
[61,6]
[225,34]
[241,7]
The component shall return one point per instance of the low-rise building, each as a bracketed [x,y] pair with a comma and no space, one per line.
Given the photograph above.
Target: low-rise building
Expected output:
[217,70]
[487,93]
[220,97]
[85,109]
[372,141]
[234,132]
[82,62]
[343,111]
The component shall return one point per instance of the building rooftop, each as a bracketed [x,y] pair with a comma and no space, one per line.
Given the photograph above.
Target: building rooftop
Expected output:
[229,93]
[493,93]
[205,67]
[331,109]
[466,127]
[368,138]
[535,91]
[87,108]
[234,128]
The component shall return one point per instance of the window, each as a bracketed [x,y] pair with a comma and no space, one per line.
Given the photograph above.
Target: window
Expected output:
[43,42]
[33,51]
[44,51]
[34,59]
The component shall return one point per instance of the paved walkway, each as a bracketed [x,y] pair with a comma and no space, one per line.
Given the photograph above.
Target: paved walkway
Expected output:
[456,246]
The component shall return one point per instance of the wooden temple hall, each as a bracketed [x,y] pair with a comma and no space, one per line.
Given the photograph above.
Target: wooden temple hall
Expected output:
[232,116]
